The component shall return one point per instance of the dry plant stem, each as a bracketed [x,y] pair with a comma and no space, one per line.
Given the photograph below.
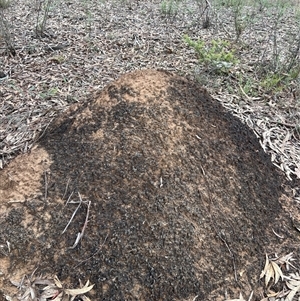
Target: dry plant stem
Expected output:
[285,124]
[73,212]
[67,186]
[80,235]
[205,10]
[46,187]
[231,254]
[195,298]
[219,233]
[41,27]
[68,200]
[86,218]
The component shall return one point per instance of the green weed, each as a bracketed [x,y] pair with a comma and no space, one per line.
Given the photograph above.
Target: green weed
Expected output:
[4,4]
[170,7]
[48,94]
[218,54]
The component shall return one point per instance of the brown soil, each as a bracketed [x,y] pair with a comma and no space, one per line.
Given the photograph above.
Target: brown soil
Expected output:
[183,199]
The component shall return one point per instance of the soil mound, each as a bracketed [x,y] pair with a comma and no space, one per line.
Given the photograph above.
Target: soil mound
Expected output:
[183,201]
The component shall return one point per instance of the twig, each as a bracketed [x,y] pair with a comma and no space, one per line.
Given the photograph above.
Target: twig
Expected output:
[244,93]
[67,186]
[250,297]
[68,200]
[291,125]
[231,255]
[212,223]
[46,186]
[80,234]
[73,212]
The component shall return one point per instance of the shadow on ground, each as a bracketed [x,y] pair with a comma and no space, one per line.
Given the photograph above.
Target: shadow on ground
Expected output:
[184,201]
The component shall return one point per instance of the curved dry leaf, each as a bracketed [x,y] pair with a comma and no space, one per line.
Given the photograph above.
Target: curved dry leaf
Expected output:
[78,291]
[291,284]
[264,271]
[269,274]
[271,294]
[241,298]
[50,293]
[26,294]
[43,282]
[277,272]
[292,294]
[285,259]
[57,282]
[295,276]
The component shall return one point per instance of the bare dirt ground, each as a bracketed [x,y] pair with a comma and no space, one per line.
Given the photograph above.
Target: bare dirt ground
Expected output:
[184,201]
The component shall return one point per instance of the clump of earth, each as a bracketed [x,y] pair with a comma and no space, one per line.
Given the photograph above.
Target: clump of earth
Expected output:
[176,199]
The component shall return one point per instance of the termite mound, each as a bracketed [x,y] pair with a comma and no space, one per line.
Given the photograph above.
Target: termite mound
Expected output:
[183,199]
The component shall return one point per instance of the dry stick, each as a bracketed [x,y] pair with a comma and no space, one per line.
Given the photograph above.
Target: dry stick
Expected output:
[243,92]
[80,235]
[68,200]
[73,213]
[213,225]
[67,186]
[231,254]
[195,298]
[291,125]
[46,186]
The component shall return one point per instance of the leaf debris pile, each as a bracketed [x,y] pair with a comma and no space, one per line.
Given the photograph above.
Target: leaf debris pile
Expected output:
[87,46]
[41,288]
[273,271]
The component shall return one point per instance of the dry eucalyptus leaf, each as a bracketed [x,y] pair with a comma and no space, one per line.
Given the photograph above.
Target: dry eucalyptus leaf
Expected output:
[269,274]
[241,298]
[272,270]
[50,293]
[264,271]
[277,272]
[292,294]
[57,282]
[78,291]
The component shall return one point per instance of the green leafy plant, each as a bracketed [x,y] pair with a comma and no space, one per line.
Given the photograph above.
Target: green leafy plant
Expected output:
[278,81]
[248,85]
[49,94]
[170,7]
[218,54]
[4,4]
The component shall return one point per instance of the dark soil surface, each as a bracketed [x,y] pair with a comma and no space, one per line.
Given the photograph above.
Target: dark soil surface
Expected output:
[184,201]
